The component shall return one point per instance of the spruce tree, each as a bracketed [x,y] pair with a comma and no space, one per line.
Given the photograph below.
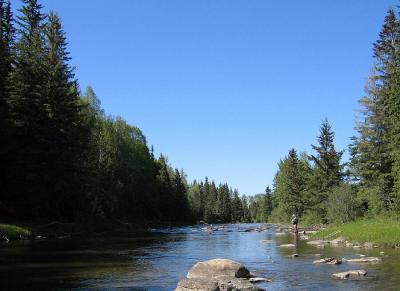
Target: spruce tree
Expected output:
[289,185]
[375,149]
[6,59]
[327,171]
[66,129]
[28,114]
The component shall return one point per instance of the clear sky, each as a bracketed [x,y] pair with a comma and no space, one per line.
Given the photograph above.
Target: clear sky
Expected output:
[226,88]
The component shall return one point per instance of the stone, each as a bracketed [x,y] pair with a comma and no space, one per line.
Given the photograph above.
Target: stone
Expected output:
[315,242]
[381,253]
[329,261]
[368,245]
[351,274]
[295,255]
[287,246]
[229,283]
[217,275]
[280,233]
[259,280]
[266,241]
[218,267]
[366,260]
[339,240]
[197,284]
[349,244]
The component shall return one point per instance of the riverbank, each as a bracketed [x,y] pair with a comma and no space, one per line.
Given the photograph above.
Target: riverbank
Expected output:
[11,231]
[382,232]
[16,230]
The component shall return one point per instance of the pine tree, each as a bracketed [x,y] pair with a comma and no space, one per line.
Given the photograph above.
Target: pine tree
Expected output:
[6,59]
[66,129]
[246,213]
[387,53]
[6,43]
[327,171]
[28,114]
[289,185]
[237,207]
[375,149]
[181,202]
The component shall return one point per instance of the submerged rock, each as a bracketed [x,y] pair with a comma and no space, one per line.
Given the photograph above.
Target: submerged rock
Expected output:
[351,274]
[328,261]
[368,245]
[217,274]
[315,242]
[259,280]
[365,260]
[287,246]
[266,241]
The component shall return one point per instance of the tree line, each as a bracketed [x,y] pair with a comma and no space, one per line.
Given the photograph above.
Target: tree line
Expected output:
[63,158]
[319,187]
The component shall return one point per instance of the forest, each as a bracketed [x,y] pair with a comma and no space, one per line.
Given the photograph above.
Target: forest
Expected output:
[63,158]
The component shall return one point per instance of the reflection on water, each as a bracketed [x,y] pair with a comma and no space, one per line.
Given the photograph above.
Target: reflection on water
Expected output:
[157,260]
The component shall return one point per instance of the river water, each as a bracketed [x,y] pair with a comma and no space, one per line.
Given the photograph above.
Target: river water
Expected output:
[158,259]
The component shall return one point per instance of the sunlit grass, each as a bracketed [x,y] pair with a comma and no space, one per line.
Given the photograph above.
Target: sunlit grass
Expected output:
[381,231]
[14,231]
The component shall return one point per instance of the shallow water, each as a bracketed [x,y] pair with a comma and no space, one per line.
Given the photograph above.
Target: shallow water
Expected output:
[158,259]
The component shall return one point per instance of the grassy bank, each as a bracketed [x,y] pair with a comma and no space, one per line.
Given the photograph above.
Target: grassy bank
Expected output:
[381,231]
[13,231]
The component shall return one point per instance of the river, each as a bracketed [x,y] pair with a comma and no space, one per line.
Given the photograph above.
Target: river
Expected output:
[156,260]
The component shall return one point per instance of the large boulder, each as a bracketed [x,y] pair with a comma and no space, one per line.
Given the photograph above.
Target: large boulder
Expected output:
[217,275]
[218,267]
[351,274]
[197,284]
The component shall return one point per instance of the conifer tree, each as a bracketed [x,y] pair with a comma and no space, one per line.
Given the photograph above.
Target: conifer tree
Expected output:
[28,113]
[289,185]
[327,171]
[6,59]
[374,150]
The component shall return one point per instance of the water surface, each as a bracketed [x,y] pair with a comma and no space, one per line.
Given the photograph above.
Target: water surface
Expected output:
[158,259]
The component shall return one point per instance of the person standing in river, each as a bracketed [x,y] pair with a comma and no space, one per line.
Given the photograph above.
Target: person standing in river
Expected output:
[295,221]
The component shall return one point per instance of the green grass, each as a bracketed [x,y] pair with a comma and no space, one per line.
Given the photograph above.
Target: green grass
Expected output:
[381,231]
[14,231]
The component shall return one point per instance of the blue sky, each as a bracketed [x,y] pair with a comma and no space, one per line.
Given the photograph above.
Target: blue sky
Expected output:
[226,88]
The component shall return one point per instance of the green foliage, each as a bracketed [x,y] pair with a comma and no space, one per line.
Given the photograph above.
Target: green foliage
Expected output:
[382,231]
[289,185]
[310,218]
[14,231]
[341,204]
[64,159]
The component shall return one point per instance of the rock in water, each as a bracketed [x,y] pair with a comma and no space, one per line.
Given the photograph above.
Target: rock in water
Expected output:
[217,275]
[315,242]
[366,260]
[352,274]
[218,267]
[197,284]
[287,246]
[339,240]
[329,261]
